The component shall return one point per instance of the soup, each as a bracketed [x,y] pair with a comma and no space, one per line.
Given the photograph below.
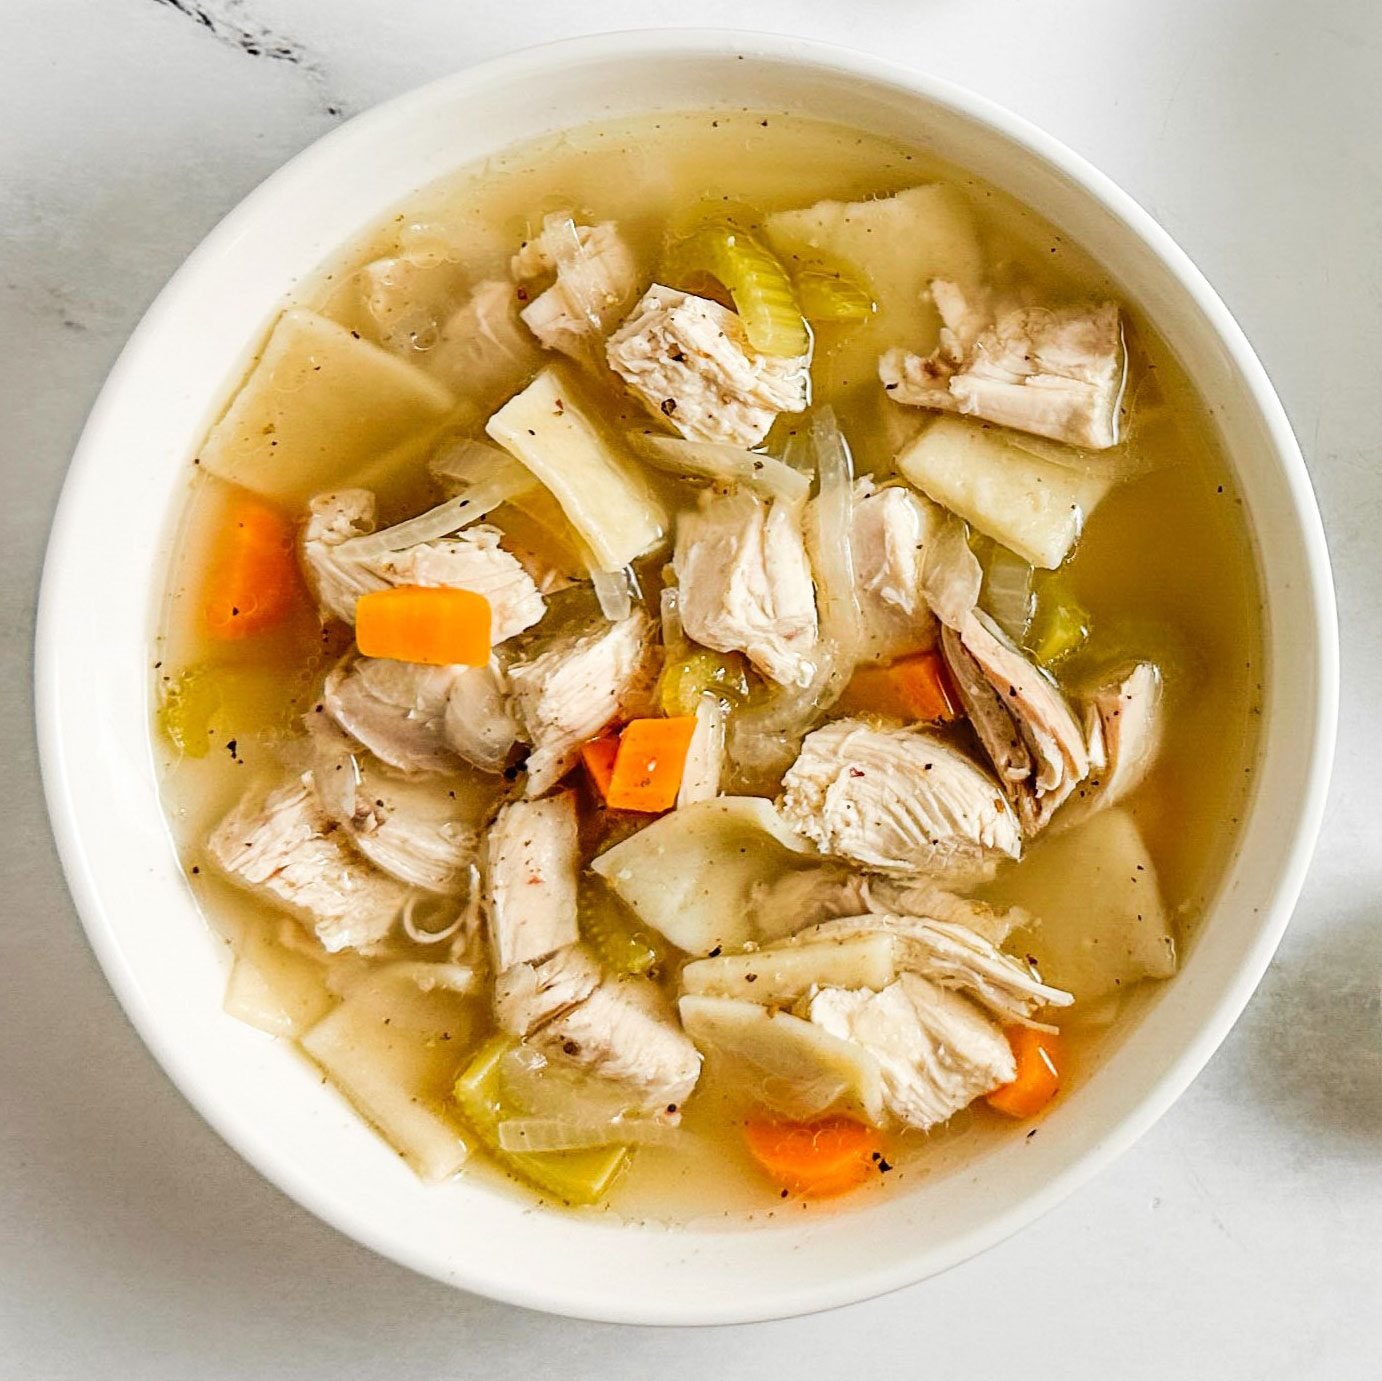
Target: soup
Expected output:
[708,661]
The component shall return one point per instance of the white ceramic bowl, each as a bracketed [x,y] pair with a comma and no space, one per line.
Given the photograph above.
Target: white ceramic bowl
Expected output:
[106,562]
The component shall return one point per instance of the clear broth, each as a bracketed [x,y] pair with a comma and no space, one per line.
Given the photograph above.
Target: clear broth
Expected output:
[1165,568]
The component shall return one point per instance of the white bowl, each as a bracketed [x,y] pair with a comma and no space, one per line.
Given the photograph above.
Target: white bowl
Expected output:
[106,563]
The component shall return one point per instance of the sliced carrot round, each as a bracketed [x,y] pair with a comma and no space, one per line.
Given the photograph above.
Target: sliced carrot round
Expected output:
[1040,1057]
[252,579]
[916,687]
[815,1159]
[599,755]
[434,625]
[650,763]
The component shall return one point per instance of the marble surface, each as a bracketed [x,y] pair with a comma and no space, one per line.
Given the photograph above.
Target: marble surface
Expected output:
[1241,1238]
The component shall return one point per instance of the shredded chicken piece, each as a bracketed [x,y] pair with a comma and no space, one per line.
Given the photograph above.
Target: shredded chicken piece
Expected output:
[1020,716]
[406,827]
[803,898]
[953,956]
[283,845]
[891,530]
[479,724]
[408,832]
[1053,372]
[596,278]
[690,362]
[897,800]
[936,1050]
[472,560]
[1123,724]
[745,583]
[484,351]
[423,718]
[396,710]
[623,1034]
[528,995]
[533,859]
[920,897]
[333,519]
[566,695]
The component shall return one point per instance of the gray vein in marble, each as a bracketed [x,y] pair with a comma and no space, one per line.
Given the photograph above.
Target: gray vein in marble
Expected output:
[230,22]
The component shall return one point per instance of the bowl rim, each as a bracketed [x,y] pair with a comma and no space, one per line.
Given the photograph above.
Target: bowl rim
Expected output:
[525,65]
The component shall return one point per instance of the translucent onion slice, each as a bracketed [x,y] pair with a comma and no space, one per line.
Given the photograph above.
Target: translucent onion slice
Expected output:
[1007,594]
[467,462]
[707,460]
[615,591]
[444,520]
[951,576]
[766,737]
[575,1134]
[533,1086]
[674,640]
[700,779]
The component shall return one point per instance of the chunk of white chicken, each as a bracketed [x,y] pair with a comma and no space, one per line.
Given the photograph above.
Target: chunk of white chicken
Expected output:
[797,1068]
[689,360]
[791,903]
[530,877]
[283,845]
[1123,723]
[479,724]
[472,560]
[1053,372]
[891,529]
[920,897]
[937,1052]
[951,955]
[745,583]
[596,278]
[410,829]
[528,995]
[332,520]
[484,352]
[1020,716]
[567,694]
[897,800]
[622,1034]
[396,710]
[423,718]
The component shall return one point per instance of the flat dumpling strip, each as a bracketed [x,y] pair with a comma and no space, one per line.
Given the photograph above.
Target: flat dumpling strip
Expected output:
[320,407]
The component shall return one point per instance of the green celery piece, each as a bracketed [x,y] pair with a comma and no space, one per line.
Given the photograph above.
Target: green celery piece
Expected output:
[827,296]
[684,681]
[1060,628]
[190,704]
[574,1177]
[611,930]
[760,287]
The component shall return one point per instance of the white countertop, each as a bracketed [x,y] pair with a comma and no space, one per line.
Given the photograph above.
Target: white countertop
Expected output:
[1241,1239]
